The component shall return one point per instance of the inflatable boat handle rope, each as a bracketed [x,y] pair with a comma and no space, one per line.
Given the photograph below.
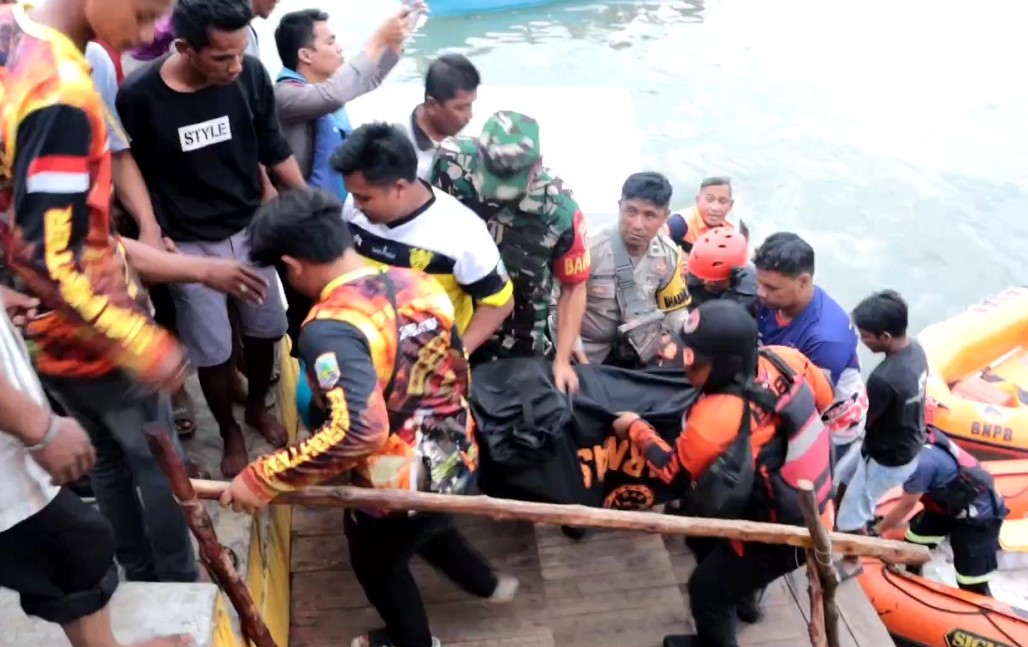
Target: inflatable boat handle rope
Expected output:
[888,572]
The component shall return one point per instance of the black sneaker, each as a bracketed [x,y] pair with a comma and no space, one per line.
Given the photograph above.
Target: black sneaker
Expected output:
[680,640]
[83,490]
[379,638]
[573,532]
[749,611]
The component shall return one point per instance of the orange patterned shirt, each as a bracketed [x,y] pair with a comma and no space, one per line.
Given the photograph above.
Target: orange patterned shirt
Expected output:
[387,383]
[56,190]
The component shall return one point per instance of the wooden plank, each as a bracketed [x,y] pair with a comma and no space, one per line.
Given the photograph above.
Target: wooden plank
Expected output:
[683,562]
[463,621]
[329,606]
[860,617]
[542,639]
[339,590]
[612,589]
[860,622]
[317,522]
[781,623]
[512,549]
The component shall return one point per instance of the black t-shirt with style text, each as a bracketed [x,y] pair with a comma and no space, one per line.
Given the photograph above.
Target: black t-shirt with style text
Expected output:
[895,418]
[199,151]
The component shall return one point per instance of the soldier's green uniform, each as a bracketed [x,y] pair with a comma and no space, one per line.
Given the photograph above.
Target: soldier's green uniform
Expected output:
[537,225]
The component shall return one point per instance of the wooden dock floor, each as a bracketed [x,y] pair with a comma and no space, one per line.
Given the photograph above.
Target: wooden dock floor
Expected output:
[613,589]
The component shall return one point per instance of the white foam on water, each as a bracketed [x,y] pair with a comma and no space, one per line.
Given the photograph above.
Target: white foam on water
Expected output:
[1009,584]
[588,135]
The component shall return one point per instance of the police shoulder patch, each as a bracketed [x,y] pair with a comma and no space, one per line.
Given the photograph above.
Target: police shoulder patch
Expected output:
[326,369]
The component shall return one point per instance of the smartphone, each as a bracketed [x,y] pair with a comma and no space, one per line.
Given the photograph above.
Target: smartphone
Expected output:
[416,19]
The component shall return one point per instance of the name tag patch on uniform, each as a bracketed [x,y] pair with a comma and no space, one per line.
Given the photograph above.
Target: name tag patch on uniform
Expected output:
[326,368]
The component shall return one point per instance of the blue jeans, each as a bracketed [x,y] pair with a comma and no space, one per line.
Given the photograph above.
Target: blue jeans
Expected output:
[152,541]
[867,482]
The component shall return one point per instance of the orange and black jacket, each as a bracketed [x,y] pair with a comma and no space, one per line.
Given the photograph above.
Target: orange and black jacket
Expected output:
[381,379]
[57,194]
[713,422]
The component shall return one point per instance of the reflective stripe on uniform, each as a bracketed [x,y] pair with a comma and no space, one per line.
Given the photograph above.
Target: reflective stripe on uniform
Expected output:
[973,579]
[923,540]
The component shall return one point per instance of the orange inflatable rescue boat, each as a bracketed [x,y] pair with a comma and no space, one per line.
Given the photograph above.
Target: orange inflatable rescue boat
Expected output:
[978,375]
[919,612]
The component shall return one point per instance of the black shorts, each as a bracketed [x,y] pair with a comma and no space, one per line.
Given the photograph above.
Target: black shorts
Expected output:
[974,544]
[60,561]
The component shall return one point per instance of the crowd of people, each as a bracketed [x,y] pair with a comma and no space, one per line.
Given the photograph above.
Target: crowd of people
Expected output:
[394,257]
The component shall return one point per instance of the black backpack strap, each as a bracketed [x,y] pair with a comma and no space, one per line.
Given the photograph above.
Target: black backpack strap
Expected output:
[391,293]
[779,363]
[761,396]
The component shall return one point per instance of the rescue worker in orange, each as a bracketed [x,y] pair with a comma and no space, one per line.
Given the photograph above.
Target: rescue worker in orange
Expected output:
[765,454]
[714,202]
[718,268]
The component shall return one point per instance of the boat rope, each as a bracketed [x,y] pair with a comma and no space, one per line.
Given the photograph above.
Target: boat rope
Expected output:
[892,578]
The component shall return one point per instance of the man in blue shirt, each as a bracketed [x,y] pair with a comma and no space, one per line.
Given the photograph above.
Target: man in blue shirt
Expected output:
[960,502]
[796,313]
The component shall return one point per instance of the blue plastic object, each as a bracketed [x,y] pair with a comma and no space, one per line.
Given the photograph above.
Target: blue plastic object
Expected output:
[304,397]
[443,8]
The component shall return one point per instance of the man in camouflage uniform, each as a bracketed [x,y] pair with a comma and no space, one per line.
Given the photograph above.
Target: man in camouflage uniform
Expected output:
[637,289]
[538,228]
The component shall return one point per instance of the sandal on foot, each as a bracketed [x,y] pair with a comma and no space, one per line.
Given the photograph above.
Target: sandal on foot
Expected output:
[185,423]
[848,569]
[379,638]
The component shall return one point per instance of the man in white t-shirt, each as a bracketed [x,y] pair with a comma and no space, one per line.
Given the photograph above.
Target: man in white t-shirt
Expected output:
[451,88]
[56,552]
[399,220]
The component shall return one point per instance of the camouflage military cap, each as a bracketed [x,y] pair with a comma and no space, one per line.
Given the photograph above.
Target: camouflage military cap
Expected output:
[509,150]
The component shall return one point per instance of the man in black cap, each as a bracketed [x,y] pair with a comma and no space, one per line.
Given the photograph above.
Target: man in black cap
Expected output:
[784,393]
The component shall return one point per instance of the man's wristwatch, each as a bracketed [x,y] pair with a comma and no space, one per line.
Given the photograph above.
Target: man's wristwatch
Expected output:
[51,433]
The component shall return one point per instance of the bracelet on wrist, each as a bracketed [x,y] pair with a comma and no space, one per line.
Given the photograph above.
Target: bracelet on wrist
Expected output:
[51,432]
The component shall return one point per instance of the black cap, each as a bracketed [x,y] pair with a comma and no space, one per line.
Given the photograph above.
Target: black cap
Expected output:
[719,329]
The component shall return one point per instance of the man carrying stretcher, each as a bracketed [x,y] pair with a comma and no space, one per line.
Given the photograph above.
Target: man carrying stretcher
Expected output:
[752,436]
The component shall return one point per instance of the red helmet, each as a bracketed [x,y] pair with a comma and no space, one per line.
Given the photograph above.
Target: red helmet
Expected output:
[717,253]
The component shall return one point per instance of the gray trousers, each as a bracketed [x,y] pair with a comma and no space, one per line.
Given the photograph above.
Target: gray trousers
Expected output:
[152,541]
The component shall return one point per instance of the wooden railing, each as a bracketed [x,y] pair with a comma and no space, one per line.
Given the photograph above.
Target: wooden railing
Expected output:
[819,544]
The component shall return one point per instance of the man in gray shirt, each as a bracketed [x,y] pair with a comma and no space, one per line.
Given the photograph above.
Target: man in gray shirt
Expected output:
[316,83]
[311,93]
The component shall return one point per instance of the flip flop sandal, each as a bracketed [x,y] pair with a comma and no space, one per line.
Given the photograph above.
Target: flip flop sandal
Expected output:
[379,638]
[847,570]
[185,423]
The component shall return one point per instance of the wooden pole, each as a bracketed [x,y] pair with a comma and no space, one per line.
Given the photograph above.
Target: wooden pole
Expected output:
[824,580]
[213,555]
[816,626]
[892,552]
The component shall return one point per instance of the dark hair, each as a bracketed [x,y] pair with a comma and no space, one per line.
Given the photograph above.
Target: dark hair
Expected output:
[381,151]
[716,180]
[785,253]
[649,186]
[193,20]
[294,32]
[306,224]
[882,312]
[448,75]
